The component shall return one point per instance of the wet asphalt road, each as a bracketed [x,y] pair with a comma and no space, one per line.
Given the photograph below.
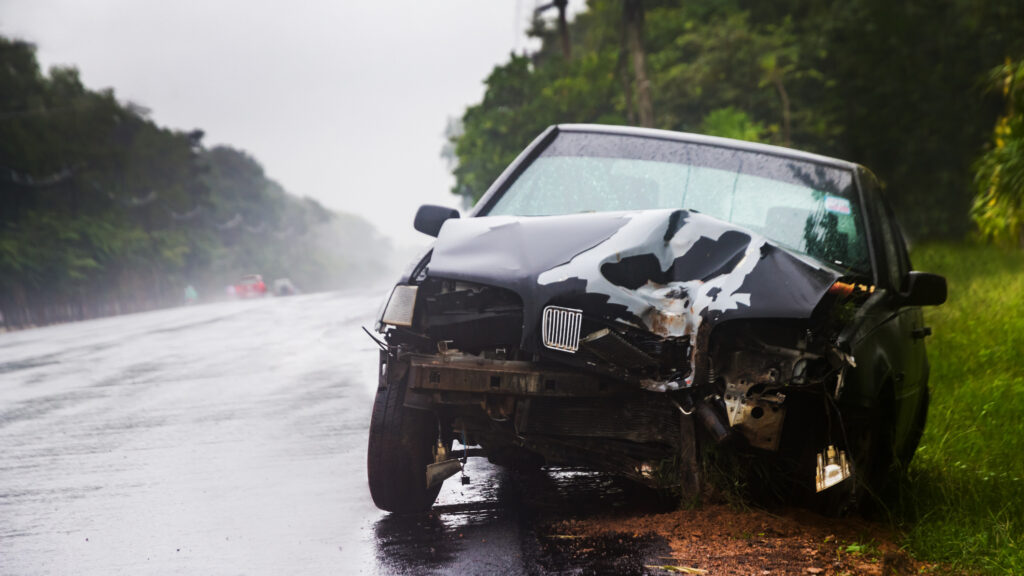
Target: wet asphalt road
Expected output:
[230,438]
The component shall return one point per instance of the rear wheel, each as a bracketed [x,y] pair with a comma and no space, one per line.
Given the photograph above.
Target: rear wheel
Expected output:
[400,448]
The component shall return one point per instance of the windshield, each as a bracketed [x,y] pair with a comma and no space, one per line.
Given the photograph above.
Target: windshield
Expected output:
[810,208]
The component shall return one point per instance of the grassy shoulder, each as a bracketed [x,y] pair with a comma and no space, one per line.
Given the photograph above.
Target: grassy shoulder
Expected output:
[964,502]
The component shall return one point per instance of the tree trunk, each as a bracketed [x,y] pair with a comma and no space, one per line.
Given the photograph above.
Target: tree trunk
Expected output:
[622,69]
[784,97]
[563,28]
[633,14]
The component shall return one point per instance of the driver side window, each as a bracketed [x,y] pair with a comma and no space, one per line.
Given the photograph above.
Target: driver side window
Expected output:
[892,271]
[900,247]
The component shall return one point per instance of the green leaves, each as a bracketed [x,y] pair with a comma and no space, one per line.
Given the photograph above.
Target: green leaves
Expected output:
[998,208]
[894,86]
[732,123]
[711,69]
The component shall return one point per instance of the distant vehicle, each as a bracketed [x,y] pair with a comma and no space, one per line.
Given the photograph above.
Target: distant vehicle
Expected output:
[250,286]
[623,298]
[284,287]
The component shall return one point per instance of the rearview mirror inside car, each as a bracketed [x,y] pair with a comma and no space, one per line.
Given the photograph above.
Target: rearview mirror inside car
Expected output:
[924,289]
[429,218]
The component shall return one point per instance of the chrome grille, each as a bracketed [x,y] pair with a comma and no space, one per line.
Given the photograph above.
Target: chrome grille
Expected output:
[560,328]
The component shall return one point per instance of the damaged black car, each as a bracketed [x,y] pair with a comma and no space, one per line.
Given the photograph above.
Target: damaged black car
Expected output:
[624,299]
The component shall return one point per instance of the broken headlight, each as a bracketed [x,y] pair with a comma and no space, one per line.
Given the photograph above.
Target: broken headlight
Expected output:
[401,306]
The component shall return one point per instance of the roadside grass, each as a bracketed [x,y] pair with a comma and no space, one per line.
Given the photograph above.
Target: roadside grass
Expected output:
[964,499]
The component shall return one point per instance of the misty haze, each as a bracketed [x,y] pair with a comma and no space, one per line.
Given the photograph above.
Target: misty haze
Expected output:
[511,287]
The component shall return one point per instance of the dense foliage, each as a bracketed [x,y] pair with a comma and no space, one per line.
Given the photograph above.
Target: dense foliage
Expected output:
[103,211]
[897,86]
[999,206]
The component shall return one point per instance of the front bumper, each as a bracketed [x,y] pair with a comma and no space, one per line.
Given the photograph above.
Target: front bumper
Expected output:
[456,372]
[570,418]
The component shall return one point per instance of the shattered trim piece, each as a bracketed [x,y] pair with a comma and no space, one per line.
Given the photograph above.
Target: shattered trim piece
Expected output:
[833,467]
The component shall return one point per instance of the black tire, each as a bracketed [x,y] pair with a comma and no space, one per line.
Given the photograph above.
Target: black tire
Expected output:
[866,434]
[875,469]
[851,496]
[400,447]
[920,419]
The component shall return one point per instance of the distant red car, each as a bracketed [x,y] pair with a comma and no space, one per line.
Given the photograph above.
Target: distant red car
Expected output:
[250,286]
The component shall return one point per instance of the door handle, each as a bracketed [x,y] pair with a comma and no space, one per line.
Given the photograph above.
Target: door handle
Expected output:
[919,333]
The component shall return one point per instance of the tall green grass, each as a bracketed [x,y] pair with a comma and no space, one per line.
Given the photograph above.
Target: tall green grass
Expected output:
[964,502]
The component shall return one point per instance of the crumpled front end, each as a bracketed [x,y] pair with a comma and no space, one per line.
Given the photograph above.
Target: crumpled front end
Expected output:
[635,288]
[598,338]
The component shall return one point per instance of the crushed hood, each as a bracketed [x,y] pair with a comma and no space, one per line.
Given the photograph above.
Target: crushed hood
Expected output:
[667,271]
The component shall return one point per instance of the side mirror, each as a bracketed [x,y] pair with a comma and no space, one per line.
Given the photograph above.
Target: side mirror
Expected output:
[924,289]
[429,218]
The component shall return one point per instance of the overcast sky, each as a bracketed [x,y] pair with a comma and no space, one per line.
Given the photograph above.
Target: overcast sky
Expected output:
[342,100]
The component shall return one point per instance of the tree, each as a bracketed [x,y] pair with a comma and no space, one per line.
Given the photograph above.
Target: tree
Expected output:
[102,211]
[998,208]
[891,85]
[563,24]
[633,30]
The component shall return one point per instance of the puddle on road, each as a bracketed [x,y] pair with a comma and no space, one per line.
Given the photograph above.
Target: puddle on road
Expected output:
[501,522]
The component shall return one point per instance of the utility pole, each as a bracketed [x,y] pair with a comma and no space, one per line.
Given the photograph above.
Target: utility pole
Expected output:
[563,24]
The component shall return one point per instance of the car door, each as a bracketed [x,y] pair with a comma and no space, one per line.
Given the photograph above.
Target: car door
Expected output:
[912,372]
[901,338]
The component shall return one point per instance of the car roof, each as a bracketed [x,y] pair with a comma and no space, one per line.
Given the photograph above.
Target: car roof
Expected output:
[709,141]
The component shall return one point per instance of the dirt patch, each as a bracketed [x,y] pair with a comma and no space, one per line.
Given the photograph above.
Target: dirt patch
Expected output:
[719,539]
[597,555]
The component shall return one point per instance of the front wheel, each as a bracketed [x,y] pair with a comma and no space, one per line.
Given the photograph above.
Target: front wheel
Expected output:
[869,432]
[400,448]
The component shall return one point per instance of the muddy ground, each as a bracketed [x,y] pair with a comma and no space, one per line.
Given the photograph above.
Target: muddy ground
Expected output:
[723,539]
